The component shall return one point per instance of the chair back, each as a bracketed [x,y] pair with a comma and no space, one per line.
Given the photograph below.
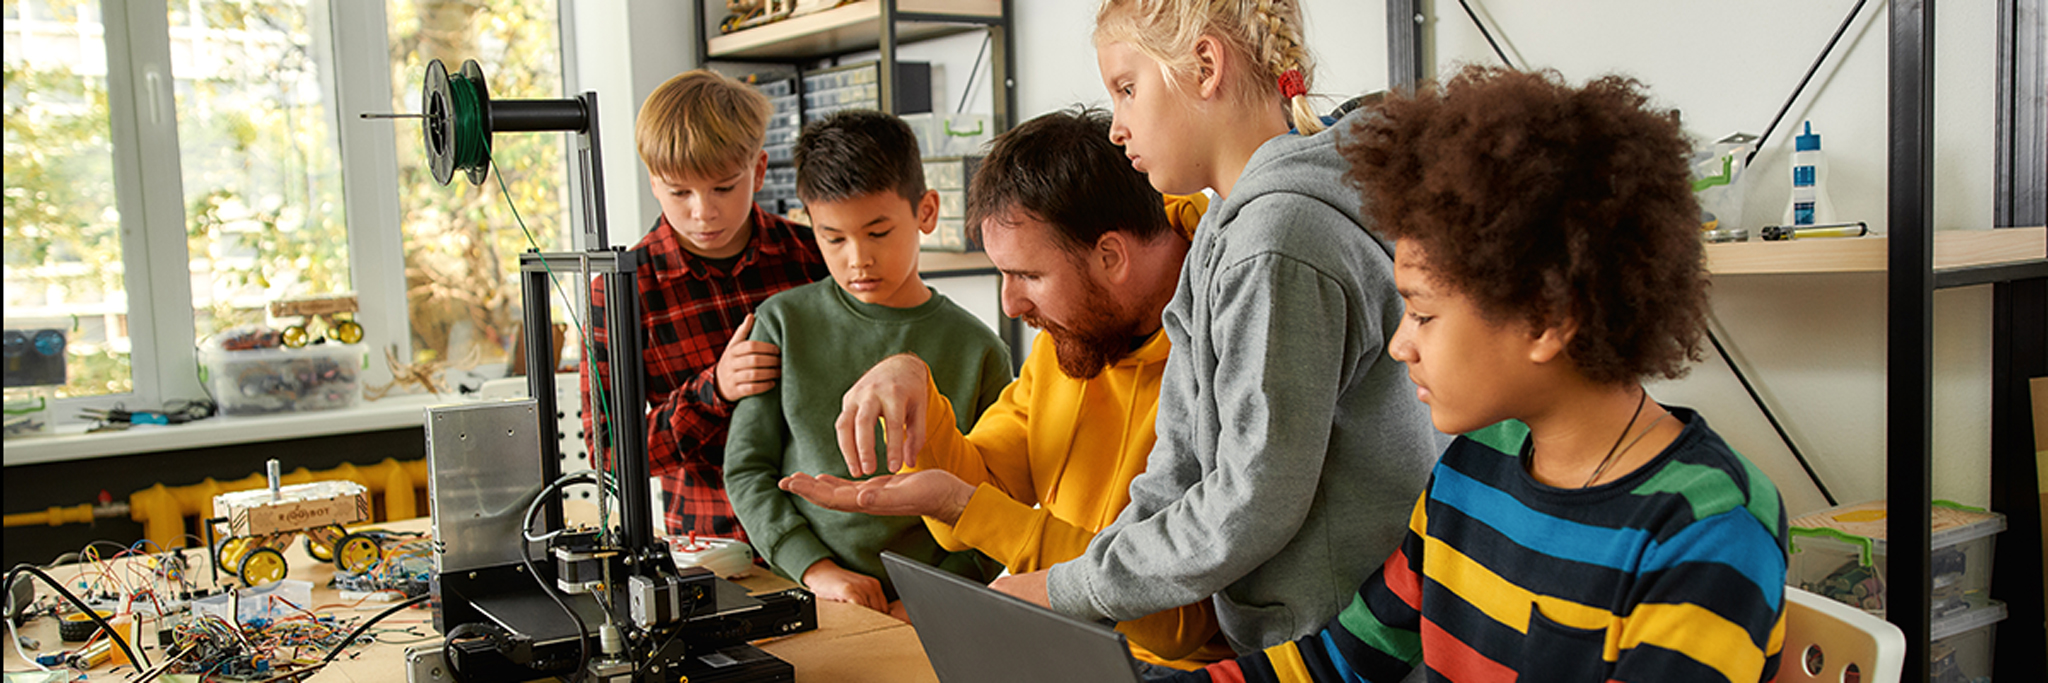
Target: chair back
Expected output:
[1824,638]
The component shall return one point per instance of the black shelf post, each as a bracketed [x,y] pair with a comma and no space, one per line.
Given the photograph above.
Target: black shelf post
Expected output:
[2019,343]
[2019,350]
[1909,443]
[1404,44]
[885,73]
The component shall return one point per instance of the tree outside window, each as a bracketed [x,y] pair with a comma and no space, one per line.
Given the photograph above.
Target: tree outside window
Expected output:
[63,248]
[251,89]
[462,242]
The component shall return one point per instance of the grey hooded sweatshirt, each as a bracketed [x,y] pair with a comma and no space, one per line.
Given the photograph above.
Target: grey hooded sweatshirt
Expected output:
[1291,448]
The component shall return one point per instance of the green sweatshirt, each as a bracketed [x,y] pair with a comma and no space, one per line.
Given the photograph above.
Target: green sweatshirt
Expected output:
[828,340]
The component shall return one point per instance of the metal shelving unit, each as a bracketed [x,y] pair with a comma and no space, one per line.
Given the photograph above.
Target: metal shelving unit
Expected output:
[1918,261]
[871,25]
[2018,344]
[880,25]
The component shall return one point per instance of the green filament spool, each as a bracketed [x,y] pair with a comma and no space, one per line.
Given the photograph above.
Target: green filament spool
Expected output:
[458,125]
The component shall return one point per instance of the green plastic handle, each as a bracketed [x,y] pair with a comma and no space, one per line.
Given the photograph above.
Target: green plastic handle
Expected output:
[1863,545]
[978,126]
[42,404]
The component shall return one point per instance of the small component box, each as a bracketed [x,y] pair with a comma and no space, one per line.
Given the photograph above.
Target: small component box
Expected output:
[727,557]
[1841,553]
[950,177]
[283,380]
[1961,650]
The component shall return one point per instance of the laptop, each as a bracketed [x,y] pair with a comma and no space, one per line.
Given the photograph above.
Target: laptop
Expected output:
[976,635]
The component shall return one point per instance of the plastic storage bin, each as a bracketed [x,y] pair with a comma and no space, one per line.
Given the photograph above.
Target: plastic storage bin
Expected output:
[776,88]
[951,135]
[29,411]
[282,380]
[952,203]
[950,178]
[1962,645]
[778,190]
[1840,553]
[949,174]
[960,134]
[855,86]
[949,235]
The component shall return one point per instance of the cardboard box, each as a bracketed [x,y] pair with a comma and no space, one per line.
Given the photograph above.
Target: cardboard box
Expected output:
[297,507]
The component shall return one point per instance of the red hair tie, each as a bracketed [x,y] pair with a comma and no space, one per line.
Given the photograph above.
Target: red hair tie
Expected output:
[1292,84]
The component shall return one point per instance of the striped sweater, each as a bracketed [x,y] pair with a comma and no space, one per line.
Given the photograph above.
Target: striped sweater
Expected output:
[1674,572]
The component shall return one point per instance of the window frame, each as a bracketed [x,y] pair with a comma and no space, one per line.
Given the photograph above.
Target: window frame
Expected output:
[149,192]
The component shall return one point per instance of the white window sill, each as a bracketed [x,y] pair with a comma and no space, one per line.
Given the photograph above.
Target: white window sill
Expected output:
[71,442]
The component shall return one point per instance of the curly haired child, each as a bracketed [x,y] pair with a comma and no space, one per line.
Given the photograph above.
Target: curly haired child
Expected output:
[1547,250]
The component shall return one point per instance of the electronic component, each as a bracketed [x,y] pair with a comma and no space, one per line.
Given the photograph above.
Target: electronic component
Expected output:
[34,357]
[403,573]
[665,599]
[424,664]
[580,563]
[781,613]
[727,557]
[20,595]
[93,655]
[738,664]
[76,627]
[523,596]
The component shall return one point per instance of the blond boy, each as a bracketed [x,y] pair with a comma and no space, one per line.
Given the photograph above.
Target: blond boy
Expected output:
[710,259]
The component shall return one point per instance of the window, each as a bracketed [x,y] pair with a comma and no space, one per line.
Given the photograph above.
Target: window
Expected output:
[259,157]
[171,168]
[462,243]
[63,247]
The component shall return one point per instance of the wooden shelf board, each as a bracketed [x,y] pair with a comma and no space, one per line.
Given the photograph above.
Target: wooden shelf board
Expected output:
[845,29]
[1952,249]
[940,262]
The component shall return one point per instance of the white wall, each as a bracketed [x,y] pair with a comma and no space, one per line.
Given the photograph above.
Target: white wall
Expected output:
[1056,55]
[624,50]
[1813,344]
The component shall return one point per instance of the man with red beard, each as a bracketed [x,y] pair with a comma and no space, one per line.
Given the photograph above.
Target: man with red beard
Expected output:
[1090,254]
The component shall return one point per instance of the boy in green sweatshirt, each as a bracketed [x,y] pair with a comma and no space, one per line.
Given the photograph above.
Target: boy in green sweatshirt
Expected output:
[860,176]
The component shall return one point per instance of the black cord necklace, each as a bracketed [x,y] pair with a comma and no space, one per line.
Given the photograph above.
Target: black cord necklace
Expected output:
[1529,462]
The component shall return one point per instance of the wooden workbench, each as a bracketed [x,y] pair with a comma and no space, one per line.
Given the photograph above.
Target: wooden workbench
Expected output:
[851,645]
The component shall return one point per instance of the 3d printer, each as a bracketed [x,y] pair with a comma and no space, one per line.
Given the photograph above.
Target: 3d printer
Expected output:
[517,593]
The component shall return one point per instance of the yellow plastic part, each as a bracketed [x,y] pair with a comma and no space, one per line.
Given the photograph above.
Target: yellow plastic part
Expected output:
[266,565]
[357,554]
[162,509]
[56,516]
[348,332]
[234,550]
[320,541]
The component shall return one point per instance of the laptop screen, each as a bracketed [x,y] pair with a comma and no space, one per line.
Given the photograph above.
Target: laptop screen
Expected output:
[976,635]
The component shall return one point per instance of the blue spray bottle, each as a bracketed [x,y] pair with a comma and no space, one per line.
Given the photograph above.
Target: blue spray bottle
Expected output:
[1810,203]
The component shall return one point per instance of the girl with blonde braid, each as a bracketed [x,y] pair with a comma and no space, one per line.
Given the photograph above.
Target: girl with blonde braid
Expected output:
[1289,445]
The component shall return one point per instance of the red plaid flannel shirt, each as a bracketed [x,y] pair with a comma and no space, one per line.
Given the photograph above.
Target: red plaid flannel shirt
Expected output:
[688,311]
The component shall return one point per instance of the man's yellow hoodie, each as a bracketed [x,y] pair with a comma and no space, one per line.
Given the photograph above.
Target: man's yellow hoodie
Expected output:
[1046,479]
[1052,463]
